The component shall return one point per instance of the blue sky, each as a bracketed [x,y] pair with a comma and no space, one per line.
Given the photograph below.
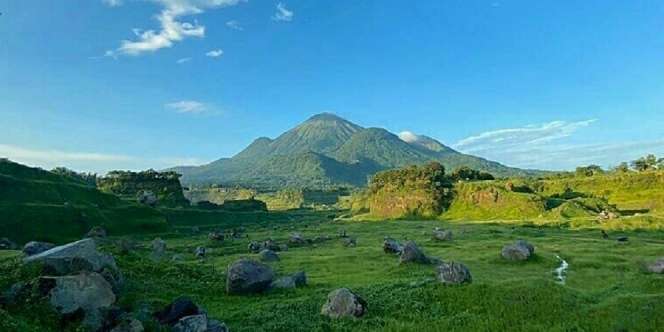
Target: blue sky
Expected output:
[102,84]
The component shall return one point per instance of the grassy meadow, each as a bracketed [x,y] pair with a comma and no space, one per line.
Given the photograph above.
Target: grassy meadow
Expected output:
[607,288]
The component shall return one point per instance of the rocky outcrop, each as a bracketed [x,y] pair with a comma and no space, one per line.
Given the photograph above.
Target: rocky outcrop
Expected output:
[74,257]
[246,276]
[344,303]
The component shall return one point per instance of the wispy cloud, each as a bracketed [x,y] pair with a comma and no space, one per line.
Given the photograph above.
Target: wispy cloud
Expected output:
[112,3]
[546,146]
[187,106]
[283,14]
[215,53]
[235,25]
[89,161]
[183,60]
[172,29]
[528,135]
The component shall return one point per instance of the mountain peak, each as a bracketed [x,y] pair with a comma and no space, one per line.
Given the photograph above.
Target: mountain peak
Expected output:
[326,116]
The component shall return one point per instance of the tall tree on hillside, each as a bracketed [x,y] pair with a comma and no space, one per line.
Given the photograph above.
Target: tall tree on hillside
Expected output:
[589,170]
[645,163]
[622,168]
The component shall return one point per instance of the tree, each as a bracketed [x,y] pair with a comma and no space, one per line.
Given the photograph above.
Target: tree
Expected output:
[622,168]
[589,170]
[645,163]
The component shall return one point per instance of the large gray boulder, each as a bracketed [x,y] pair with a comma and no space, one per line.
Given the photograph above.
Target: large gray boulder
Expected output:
[35,247]
[343,303]
[411,253]
[519,251]
[453,273]
[246,276]
[657,266]
[88,292]
[392,246]
[74,257]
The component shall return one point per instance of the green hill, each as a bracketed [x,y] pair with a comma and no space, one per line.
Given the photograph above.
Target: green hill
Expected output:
[39,205]
[328,151]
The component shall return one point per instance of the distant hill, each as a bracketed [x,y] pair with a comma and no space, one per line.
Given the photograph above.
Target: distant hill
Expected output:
[327,151]
[40,205]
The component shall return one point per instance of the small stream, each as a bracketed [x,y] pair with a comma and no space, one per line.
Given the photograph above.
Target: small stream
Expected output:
[561,271]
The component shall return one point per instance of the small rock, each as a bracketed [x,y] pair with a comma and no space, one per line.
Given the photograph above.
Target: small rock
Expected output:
[194,323]
[283,283]
[200,252]
[267,255]
[342,233]
[453,273]
[158,249]
[343,303]
[297,239]
[215,236]
[14,293]
[442,235]
[195,230]
[216,326]
[255,247]
[622,239]
[391,246]
[96,232]
[246,276]
[519,251]
[35,247]
[412,254]
[129,325]
[7,244]
[271,245]
[657,266]
[300,279]
[349,242]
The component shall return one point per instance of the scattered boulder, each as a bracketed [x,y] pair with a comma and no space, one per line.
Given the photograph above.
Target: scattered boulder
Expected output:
[74,257]
[391,246]
[7,244]
[96,232]
[297,239]
[158,249]
[172,313]
[216,236]
[343,303]
[246,276]
[342,233]
[195,230]
[453,273]
[35,247]
[269,244]
[194,323]
[129,325]
[267,255]
[657,266]
[298,279]
[622,239]
[200,252]
[14,293]
[442,235]
[349,242]
[88,292]
[321,238]
[255,247]
[411,253]
[519,251]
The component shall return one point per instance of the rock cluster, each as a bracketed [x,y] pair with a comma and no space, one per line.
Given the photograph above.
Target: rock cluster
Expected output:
[183,315]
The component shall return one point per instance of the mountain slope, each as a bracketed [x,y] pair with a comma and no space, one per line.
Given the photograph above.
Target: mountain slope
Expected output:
[326,151]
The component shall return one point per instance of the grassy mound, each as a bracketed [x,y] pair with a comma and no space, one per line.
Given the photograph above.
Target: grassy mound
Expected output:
[38,205]
[491,201]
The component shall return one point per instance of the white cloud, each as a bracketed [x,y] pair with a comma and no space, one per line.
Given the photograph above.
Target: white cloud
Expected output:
[172,29]
[183,60]
[235,25]
[89,161]
[528,135]
[187,106]
[283,14]
[408,136]
[547,146]
[112,3]
[215,53]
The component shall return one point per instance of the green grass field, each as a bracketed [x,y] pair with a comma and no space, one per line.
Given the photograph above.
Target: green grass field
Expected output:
[607,288]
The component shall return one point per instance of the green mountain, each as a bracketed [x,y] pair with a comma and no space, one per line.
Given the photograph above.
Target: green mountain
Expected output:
[327,151]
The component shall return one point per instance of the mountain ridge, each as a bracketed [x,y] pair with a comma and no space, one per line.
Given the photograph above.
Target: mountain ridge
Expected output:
[327,151]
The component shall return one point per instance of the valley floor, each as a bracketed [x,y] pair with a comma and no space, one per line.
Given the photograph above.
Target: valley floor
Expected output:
[607,287]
